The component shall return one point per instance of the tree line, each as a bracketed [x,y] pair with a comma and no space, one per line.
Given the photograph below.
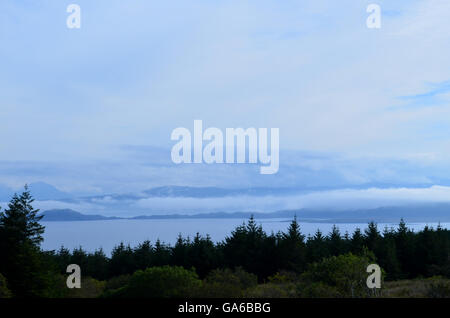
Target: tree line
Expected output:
[27,270]
[401,252]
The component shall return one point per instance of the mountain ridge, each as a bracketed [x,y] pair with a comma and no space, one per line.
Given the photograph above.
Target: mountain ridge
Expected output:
[439,213]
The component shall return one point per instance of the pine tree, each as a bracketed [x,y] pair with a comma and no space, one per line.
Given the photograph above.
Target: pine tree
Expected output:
[357,242]
[246,247]
[335,243]
[316,247]
[22,261]
[404,241]
[292,248]
[20,221]
[294,234]
[387,254]
[372,237]
[143,255]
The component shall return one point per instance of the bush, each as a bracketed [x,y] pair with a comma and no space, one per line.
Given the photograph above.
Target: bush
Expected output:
[280,285]
[117,282]
[318,290]
[90,288]
[438,288]
[221,283]
[340,276]
[160,282]
[4,291]
[272,290]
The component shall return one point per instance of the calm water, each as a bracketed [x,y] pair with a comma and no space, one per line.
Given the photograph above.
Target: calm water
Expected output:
[92,235]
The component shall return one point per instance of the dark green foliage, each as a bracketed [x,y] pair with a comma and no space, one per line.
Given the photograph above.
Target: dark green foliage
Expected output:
[22,262]
[316,247]
[337,276]
[357,242]
[117,282]
[281,285]
[161,282]
[161,254]
[221,283]
[4,291]
[97,265]
[292,248]
[143,255]
[122,260]
[20,222]
[336,245]
[250,247]
[200,253]
[387,255]
[372,238]
[438,288]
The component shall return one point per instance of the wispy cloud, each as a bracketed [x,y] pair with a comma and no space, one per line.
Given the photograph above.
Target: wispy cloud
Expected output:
[332,200]
[438,94]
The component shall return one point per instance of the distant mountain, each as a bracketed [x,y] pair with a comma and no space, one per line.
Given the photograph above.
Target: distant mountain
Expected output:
[431,213]
[70,215]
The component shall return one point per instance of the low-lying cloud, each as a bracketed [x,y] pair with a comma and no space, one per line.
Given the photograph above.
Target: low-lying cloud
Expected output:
[342,199]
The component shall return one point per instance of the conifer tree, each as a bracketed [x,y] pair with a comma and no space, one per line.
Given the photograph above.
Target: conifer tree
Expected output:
[335,243]
[357,242]
[22,262]
[292,246]
[20,222]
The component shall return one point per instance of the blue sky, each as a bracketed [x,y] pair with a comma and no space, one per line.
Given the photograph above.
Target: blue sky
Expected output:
[86,102]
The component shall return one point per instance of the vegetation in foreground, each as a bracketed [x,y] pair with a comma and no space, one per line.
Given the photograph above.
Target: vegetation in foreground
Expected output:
[248,263]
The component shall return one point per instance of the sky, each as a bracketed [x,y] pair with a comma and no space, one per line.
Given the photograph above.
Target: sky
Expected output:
[91,110]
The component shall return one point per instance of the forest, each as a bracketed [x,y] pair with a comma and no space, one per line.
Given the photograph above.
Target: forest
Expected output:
[248,263]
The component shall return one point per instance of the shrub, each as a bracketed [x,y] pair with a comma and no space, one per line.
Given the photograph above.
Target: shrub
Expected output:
[222,283]
[4,291]
[341,276]
[117,282]
[90,288]
[272,290]
[160,282]
[438,288]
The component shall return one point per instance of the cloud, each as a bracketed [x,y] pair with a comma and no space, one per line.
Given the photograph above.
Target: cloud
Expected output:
[91,110]
[438,95]
[136,70]
[331,200]
[342,199]
[375,197]
[141,168]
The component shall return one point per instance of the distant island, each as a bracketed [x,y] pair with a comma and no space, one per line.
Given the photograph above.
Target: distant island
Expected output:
[434,213]
[71,215]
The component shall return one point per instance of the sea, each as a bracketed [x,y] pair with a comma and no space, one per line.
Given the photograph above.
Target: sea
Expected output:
[106,234]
